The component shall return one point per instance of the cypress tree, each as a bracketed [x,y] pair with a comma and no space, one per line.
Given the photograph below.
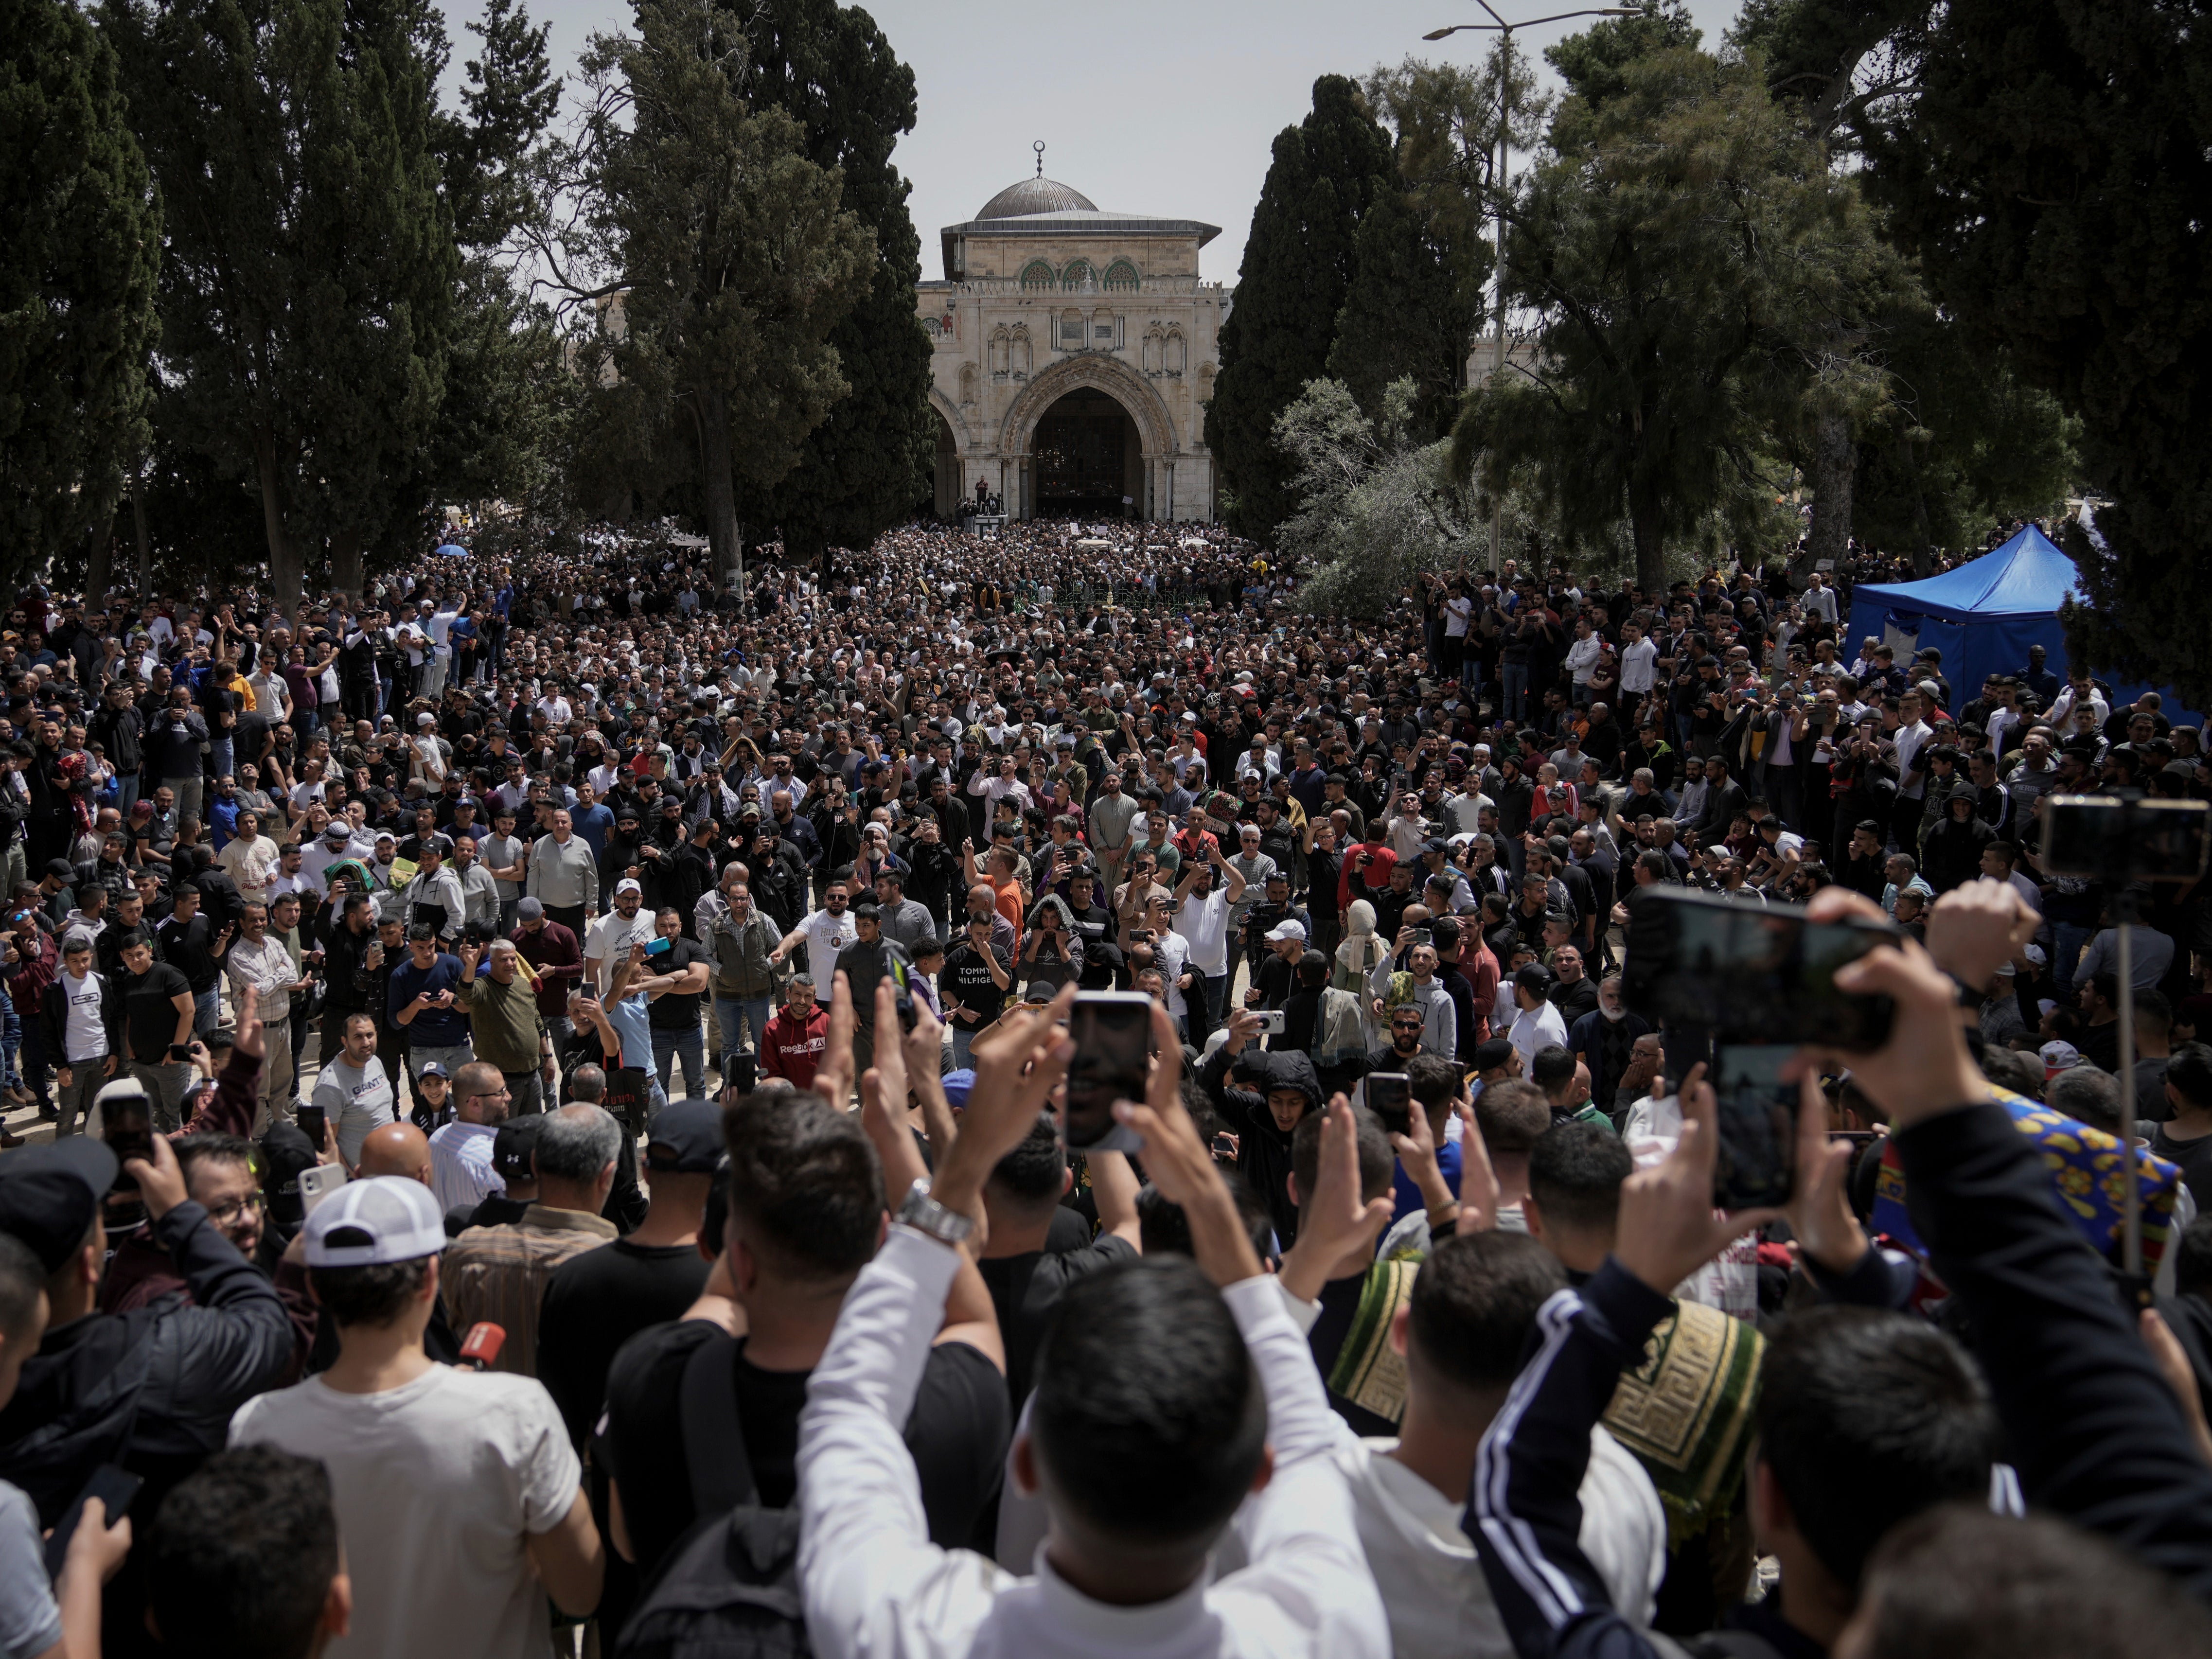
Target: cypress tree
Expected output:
[80,245]
[1405,316]
[864,468]
[1299,265]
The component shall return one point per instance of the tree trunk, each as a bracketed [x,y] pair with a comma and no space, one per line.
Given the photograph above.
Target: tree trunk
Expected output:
[724,541]
[100,568]
[1835,471]
[1924,546]
[1644,521]
[346,562]
[145,542]
[284,572]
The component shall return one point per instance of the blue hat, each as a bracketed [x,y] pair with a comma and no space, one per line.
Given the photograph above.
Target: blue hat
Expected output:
[956,1087]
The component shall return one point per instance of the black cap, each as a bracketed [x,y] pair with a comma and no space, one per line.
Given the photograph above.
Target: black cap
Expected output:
[512,1148]
[50,1195]
[61,869]
[285,1151]
[685,1138]
[1491,1054]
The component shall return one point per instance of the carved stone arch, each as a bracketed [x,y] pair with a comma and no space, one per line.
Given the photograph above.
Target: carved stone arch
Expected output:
[1019,356]
[1155,427]
[1153,336]
[953,418]
[1173,354]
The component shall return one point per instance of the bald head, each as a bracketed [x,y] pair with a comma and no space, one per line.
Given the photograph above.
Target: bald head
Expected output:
[396,1149]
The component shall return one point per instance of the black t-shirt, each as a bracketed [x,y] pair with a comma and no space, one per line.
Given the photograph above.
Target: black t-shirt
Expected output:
[676,1010]
[969,976]
[2194,1158]
[188,946]
[150,1014]
[596,1301]
[958,1433]
[1339,1304]
[1025,1289]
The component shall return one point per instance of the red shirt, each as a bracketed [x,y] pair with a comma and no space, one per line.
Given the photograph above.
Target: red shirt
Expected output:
[1374,873]
[793,1049]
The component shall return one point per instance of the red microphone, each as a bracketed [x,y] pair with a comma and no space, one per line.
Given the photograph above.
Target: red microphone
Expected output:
[481,1351]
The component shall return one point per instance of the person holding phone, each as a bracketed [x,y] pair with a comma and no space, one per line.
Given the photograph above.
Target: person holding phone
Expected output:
[79,1014]
[421,999]
[158,1012]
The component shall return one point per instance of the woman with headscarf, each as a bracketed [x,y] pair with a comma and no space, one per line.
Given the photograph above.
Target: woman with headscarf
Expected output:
[1360,953]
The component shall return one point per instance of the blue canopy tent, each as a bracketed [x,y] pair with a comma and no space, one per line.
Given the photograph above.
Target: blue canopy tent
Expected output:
[453,550]
[1982,617]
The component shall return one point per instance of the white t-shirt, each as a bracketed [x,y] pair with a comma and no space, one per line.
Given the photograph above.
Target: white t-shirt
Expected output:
[826,933]
[1205,923]
[607,941]
[1535,1030]
[356,1100]
[1637,672]
[85,1036]
[436,1485]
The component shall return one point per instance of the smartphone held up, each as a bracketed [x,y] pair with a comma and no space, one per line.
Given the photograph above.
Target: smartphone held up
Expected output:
[1112,1031]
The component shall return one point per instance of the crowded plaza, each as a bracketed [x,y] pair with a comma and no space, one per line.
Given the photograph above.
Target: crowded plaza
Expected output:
[1018,1091]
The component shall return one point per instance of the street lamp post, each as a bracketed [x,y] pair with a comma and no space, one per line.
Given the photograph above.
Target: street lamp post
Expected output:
[1504,30]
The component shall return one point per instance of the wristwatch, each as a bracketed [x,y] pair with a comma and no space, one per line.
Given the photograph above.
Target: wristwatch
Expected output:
[925,1215]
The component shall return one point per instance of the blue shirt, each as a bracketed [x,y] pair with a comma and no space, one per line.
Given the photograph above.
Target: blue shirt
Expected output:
[633,1025]
[1409,1195]
[434,1028]
[594,823]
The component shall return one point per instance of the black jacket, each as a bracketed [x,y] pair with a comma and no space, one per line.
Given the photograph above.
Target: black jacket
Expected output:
[183,1368]
[1264,1151]
[53,1016]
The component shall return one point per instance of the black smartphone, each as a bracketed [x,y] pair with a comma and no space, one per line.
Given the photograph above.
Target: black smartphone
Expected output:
[312,1120]
[1757,1127]
[1113,1036]
[114,1487]
[1389,1096]
[126,1124]
[2115,841]
[1748,971]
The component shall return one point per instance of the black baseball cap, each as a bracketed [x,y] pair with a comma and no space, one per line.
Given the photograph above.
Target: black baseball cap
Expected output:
[50,1195]
[514,1146]
[685,1138]
[285,1151]
[1492,1053]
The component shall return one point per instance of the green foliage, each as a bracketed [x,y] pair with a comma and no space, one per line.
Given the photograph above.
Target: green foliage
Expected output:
[2051,167]
[1376,505]
[1299,265]
[1674,246]
[80,233]
[862,470]
[735,259]
[1595,63]
[1404,316]
[307,283]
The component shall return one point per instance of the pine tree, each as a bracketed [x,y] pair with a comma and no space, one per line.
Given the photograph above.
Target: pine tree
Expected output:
[1405,316]
[80,245]
[1299,260]
[863,469]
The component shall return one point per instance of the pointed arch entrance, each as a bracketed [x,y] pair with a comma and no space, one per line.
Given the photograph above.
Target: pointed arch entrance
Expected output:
[1089,437]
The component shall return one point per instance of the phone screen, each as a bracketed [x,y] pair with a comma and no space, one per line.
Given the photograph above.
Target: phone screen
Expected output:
[127,1127]
[1113,1036]
[657,947]
[1389,1096]
[2106,839]
[1757,1163]
[311,1120]
[1754,970]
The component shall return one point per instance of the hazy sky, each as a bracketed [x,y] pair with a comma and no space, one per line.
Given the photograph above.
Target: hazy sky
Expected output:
[1150,106]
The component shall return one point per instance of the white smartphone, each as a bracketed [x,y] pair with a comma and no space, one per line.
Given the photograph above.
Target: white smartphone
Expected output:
[1271,1022]
[318,1183]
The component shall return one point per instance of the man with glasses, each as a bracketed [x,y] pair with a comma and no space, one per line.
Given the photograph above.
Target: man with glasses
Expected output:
[461,1172]
[825,933]
[1409,1025]
[607,945]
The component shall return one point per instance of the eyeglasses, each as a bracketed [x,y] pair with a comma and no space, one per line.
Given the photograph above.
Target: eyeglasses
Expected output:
[223,1214]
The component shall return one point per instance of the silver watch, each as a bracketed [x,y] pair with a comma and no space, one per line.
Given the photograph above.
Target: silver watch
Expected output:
[922,1213]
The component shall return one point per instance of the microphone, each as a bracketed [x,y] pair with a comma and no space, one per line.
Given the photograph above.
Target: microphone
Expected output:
[480,1352]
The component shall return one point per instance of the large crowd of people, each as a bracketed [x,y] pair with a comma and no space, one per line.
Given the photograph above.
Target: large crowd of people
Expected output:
[537,1121]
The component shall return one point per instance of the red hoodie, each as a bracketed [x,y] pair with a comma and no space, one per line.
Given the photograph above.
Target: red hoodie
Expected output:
[793,1049]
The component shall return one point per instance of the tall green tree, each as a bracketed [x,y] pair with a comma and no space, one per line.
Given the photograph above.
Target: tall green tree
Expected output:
[308,274]
[862,470]
[728,247]
[80,245]
[1676,245]
[2050,166]
[1299,260]
[1406,315]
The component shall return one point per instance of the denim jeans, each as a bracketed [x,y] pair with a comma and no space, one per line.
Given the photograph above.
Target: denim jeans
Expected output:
[207,1012]
[963,1044]
[736,1018]
[687,1044]
[2068,940]
[1516,690]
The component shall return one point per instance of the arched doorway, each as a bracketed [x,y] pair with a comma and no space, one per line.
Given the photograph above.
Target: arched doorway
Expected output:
[1088,459]
[947,495]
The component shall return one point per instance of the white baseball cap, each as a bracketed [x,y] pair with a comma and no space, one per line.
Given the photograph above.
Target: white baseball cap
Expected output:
[628,885]
[1283,930]
[373,1222]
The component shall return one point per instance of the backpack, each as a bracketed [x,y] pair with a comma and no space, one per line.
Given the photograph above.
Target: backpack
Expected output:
[728,1588]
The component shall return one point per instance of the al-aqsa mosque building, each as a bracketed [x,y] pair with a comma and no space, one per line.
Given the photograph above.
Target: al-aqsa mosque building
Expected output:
[1075,353]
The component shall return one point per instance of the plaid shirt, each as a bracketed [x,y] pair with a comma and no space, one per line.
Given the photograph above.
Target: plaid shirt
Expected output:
[499,1273]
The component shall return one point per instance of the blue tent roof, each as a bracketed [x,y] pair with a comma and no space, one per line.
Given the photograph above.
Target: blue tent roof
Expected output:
[2027,576]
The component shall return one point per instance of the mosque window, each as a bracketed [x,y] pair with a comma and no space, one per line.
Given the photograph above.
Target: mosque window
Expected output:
[1037,274]
[1078,275]
[1121,277]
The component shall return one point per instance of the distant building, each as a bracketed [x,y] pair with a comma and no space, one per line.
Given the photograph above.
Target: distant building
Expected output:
[1075,353]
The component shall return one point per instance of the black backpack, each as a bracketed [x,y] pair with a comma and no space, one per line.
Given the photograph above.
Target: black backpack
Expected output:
[728,1588]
